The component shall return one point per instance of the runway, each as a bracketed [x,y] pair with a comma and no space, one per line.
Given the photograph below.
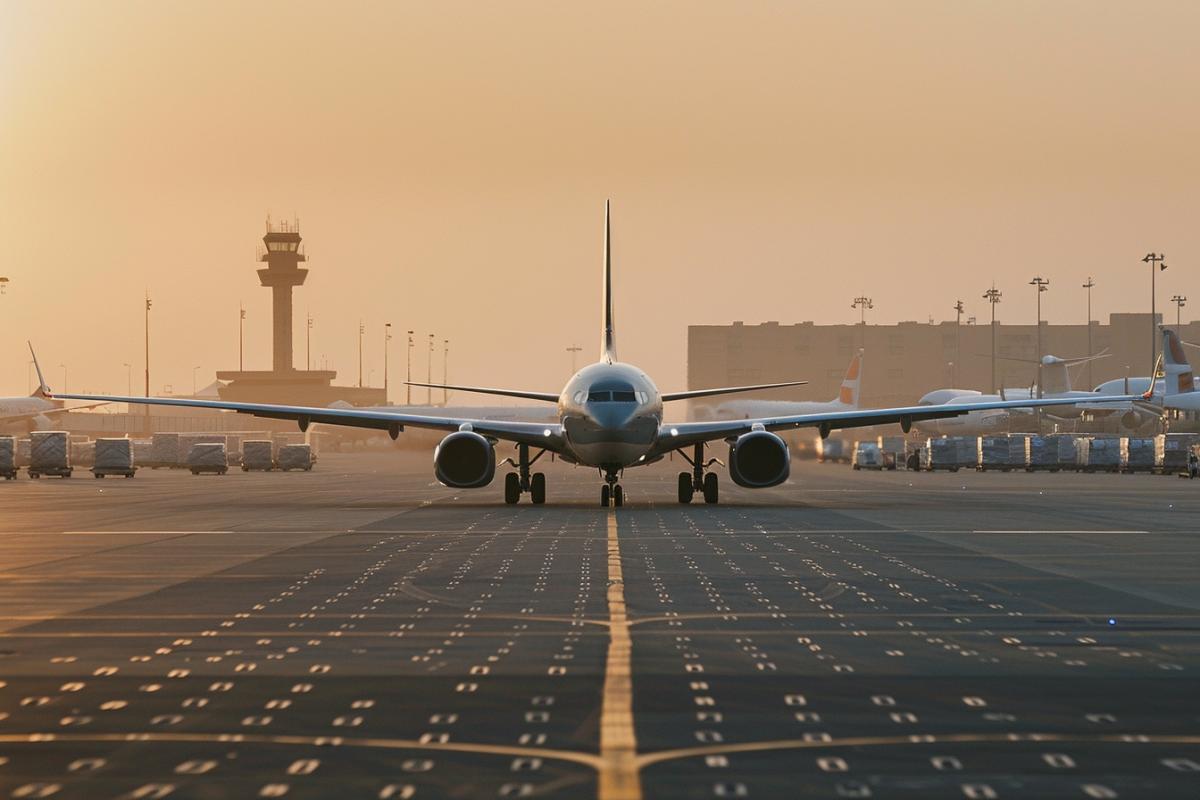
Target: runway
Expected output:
[360,631]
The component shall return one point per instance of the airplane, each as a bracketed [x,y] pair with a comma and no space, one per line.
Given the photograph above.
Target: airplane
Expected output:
[610,418]
[847,400]
[34,412]
[1179,390]
[1056,384]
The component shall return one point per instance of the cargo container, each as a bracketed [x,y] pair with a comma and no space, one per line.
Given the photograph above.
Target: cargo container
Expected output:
[49,454]
[295,456]
[831,450]
[1171,451]
[867,455]
[951,453]
[1004,453]
[897,446]
[1137,454]
[1098,454]
[8,457]
[164,451]
[24,452]
[208,457]
[114,457]
[257,455]
[1051,453]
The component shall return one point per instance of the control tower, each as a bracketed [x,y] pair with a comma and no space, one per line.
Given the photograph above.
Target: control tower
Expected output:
[282,254]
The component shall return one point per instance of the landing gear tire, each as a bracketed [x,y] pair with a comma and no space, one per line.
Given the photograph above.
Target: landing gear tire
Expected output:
[685,487]
[512,488]
[618,496]
[710,488]
[604,495]
[537,488]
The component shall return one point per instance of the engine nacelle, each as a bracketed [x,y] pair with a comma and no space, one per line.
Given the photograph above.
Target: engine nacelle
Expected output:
[759,459]
[464,460]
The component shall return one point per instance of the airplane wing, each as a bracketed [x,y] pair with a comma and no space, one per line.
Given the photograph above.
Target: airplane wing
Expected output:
[546,397]
[669,396]
[673,436]
[547,436]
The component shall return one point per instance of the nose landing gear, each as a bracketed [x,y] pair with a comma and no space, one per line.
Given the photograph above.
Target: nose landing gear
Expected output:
[611,491]
[521,481]
[698,480]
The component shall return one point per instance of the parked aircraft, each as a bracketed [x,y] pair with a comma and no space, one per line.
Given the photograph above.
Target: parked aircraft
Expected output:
[610,418]
[847,400]
[35,412]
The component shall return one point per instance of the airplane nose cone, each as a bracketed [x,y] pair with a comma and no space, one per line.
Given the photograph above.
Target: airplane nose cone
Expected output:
[612,416]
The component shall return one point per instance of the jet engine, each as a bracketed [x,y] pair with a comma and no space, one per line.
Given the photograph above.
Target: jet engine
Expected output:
[759,459]
[464,460]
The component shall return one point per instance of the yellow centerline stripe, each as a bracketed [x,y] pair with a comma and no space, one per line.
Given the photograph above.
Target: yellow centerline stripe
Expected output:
[618,742]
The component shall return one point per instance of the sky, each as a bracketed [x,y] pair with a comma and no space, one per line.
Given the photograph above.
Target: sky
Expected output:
[449,164]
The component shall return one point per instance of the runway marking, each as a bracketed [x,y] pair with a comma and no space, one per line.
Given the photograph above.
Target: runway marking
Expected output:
[618,769]
[893,741]
[305,741]
[1050,531]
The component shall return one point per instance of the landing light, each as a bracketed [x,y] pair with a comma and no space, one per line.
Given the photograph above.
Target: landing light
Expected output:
[546,432]
[1112,621]
[674,431]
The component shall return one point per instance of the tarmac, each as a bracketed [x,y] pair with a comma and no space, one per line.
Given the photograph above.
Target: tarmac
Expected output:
[360,631]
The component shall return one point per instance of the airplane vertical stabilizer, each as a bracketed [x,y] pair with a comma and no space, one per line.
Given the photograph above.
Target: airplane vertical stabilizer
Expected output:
[1177,372]
[608,340]
[852,383]
[42,390]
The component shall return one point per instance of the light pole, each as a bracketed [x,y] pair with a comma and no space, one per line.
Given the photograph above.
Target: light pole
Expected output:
[148,305]
[129,380]
[308,342]
[3,284]
[958,308]
[429,377]
[1153,259]
[64,384]
[862,304]
[1179,301]
[408,374]
[573,349]
[1041,285]
[387,337]
[445,371]
[993,296]
[1090,283]
[241,336]
[361,330]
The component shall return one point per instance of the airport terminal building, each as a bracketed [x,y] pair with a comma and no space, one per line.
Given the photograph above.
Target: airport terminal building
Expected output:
[906,360]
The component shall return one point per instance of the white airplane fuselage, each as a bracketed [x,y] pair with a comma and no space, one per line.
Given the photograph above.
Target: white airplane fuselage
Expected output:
[26,411]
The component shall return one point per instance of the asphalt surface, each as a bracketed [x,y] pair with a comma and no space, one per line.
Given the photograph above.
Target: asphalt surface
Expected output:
[359,631]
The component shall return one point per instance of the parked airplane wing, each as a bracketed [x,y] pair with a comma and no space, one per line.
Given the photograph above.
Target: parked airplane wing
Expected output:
[683,434]
[546,397]
[547,436]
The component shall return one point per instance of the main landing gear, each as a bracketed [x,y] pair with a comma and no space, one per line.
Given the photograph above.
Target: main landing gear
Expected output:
[611,491]
[698,480]
[521,481]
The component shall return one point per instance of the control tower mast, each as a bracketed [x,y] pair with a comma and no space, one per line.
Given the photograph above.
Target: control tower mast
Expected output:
[282,255]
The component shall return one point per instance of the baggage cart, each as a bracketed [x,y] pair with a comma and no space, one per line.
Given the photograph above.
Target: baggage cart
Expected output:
[208,457]
[49,454]
[8,457]
[113,457]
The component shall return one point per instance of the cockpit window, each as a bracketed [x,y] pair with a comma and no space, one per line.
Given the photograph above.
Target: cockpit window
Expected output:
[624,397]
[599,397]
